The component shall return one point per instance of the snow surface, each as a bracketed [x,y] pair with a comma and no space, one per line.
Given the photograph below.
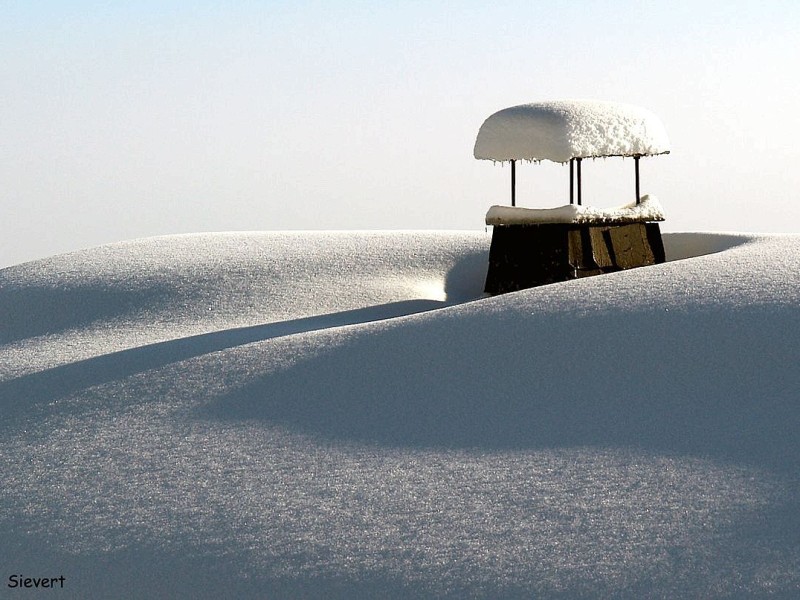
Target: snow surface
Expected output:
[260,415]
[560,130]
[649,209]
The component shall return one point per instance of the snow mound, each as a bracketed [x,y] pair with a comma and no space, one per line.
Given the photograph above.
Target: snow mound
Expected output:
[564,129]
[314,435]
[649,209]
[139,292]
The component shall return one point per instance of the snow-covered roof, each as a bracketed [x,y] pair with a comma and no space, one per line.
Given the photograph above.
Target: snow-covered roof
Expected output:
[649,209]
[195,406]
[560,130]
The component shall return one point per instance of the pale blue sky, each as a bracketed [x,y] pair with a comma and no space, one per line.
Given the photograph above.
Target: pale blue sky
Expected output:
[125,122]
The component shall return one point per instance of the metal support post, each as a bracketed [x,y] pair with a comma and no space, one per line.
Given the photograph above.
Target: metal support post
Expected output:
[513,183]
[571,181]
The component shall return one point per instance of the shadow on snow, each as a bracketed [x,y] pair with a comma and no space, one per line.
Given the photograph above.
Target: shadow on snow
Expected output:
[712,384]
[46,386]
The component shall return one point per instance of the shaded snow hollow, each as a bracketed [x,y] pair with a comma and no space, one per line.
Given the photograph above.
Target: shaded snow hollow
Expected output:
[261,415]
[560,130]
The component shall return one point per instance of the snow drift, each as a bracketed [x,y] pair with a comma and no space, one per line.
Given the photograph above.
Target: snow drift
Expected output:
[344,415]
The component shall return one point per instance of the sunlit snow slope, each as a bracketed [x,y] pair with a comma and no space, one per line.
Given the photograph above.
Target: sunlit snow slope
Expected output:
[327,415]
